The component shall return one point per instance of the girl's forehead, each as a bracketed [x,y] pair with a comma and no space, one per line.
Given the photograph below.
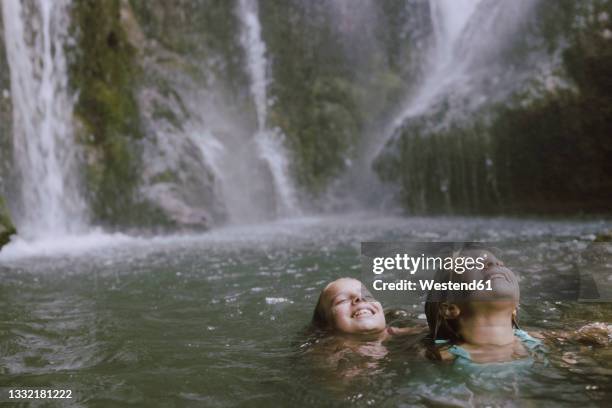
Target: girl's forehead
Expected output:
[343,285]
[484,253]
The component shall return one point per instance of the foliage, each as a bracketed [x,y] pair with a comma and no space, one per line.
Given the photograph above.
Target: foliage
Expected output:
[6,225]
[104,74]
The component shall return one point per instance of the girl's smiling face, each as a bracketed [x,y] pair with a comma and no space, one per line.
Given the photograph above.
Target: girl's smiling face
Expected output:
[351,308]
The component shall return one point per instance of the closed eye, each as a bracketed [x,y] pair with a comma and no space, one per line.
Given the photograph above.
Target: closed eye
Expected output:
[340,301]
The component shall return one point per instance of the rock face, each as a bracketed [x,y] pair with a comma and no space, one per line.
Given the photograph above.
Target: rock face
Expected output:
[7,229]
[180,182]
[6,225]
[542,146]
[5,115]
[338,71]
[142,168]
[528,132]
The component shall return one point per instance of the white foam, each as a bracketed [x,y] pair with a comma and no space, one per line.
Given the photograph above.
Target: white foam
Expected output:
[63,245]
[277,300]
[100,242]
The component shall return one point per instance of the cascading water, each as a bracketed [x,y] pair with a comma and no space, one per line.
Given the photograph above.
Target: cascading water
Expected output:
[44,149]
[472,66]
[449,19]
[255,50]
[269,142]
[469,36]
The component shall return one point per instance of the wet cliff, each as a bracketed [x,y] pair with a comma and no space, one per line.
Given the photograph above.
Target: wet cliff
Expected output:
[542,148]
[477,107]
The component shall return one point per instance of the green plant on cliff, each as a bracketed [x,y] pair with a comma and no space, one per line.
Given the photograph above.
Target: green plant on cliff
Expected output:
[197,31]
[446,172]
[336,74]
[557,151]
[6,225]
[104,74]
[314,102]
[5,115]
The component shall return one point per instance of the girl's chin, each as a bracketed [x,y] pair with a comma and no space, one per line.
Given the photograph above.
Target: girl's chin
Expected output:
[368,327]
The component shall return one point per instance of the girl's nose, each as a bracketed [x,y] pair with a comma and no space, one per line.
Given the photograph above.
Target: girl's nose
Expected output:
[357,299]
[490,263]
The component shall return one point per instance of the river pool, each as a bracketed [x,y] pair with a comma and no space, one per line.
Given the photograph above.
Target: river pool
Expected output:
[214,319]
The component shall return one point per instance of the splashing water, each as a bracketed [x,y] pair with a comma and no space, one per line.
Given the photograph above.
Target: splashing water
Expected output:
[234,174]
[271,149]
[269,142]
[44,149]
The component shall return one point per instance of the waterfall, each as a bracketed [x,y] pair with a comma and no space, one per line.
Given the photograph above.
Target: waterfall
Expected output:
[449,19]
[473,64]
[255,50]
[269,142]
[44,149]
[469,38]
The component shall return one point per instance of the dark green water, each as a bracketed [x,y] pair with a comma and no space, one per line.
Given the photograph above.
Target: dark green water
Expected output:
[214,320]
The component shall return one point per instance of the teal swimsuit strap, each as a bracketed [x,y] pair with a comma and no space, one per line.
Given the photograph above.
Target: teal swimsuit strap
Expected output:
[457,351]
[529,342]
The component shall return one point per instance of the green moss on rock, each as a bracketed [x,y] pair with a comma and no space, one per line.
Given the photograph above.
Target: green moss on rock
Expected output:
[7,229]
[6,118]
[336,75]
[105,75]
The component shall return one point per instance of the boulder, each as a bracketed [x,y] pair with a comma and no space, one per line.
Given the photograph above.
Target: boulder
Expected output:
[172,204]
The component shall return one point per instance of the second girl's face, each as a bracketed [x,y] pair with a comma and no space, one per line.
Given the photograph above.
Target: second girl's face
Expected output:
[352,309]
[504,283]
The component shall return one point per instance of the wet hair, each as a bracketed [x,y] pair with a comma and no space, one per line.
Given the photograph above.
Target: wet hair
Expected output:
[319,323]
[441,328]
